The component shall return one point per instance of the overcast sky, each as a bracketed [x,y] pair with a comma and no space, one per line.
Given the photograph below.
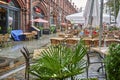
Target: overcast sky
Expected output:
[79,3]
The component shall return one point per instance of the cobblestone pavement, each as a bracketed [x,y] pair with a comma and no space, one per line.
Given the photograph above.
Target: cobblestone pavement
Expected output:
[36,44]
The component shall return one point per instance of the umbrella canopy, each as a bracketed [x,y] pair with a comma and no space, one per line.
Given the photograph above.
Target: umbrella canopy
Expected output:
[76,18]
[92,10]
[39,20]
[118,18]
[106,18]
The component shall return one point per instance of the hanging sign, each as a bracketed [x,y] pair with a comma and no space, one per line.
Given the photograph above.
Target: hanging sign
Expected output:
[37,9]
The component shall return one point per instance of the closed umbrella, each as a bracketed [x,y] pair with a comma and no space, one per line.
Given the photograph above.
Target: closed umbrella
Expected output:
[118,18]
[92,13]
[106,18]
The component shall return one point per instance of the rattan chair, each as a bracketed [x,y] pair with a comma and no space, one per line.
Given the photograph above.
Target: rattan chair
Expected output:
[55,42]
[71,42]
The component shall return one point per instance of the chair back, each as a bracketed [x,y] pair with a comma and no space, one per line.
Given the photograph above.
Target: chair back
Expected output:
[71,42]
[55,42]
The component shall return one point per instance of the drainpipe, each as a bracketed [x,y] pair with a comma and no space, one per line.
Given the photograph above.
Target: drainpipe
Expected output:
[25,15]
[31,18]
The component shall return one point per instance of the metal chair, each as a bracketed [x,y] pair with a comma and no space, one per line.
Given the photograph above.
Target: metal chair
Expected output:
[88,55]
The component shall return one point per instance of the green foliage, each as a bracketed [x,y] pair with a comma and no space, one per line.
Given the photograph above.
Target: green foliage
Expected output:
[90,79]
[0,28]
[112,62]
[60,62]
[52,29]
[113,28]
[113,4]
[9,29]
[40,27]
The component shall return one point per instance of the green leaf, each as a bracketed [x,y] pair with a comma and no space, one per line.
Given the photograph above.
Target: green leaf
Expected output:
[60,62]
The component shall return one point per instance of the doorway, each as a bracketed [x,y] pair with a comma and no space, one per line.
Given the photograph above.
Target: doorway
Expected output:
[3,20]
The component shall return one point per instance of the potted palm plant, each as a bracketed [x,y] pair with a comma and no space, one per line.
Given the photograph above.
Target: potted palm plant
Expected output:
[112,62]
[52,29]
[9,29]
[60,62]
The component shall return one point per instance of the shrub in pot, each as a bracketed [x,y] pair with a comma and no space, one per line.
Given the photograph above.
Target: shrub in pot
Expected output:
[52,29]
[60,62]
[112,62]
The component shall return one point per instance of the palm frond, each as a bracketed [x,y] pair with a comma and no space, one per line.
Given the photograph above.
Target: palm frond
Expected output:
[60,62]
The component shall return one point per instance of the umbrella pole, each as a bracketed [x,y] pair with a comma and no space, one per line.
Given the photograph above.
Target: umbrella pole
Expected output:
[90,17]
[101,26]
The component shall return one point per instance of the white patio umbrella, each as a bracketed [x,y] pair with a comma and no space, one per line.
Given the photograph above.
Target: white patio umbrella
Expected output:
[94,9]
[76,18]
[106,18]
[118,18]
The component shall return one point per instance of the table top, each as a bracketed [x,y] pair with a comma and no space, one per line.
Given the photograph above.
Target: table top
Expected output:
[74,38]
[101,50]
[90,39]
[26,33]
[57,38]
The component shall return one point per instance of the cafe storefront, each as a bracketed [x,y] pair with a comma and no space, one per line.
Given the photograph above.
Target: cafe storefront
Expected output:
[9,15]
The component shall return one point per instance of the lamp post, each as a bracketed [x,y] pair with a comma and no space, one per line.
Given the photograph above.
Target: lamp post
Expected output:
[101,26]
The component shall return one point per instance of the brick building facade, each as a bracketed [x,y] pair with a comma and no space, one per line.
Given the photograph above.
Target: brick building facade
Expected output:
[21,12]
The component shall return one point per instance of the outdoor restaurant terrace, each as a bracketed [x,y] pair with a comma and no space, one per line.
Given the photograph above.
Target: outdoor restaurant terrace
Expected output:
[84,46]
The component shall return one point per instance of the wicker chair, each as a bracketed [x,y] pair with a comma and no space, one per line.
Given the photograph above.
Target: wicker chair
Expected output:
[71,42]
[55,42]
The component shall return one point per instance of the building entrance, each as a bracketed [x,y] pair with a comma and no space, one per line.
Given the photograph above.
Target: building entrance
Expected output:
[3,20]
[9,17]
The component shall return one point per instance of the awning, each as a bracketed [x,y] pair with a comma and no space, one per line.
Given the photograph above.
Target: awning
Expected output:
[39,20]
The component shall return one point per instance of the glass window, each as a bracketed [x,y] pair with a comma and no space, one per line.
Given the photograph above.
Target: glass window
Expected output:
[14,19]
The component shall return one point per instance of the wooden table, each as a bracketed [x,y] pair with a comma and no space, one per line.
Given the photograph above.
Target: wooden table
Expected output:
[74,38]
[26,33]
[101,50]
[58,38]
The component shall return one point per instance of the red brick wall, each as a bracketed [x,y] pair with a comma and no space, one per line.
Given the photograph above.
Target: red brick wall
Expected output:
[66,7]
